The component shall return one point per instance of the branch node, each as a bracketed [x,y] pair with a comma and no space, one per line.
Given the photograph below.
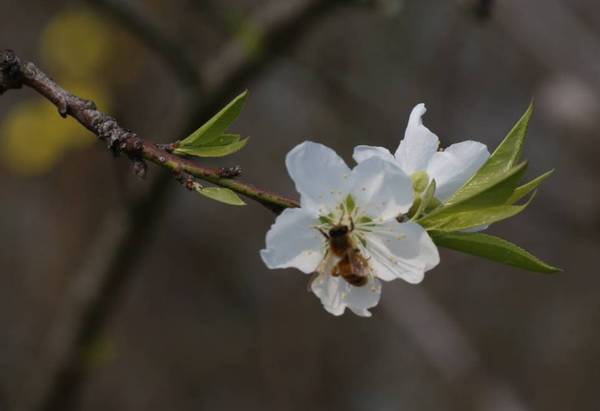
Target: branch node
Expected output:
[89,105]
[115,142]
[139,167]
[11,75]
[186,180]
[168,147]
[63,107]
[230,172]
[190,184]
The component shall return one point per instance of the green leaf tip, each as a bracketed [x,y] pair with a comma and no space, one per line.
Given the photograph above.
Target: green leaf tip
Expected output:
[221,194]
[491,193]
[495,249]
[211,139]
[482,205]
[506,157]
[525,189]
[508,153]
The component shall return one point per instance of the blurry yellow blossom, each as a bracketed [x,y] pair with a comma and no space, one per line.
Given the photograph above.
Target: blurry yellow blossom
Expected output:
[33,137]
[32,140]
[78,47]
[76,44]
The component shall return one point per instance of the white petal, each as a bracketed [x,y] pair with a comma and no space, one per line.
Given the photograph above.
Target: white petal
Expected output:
[362,153]
[381,189]
[419,144]
[320,176]
[452,167]
[401,250]
[293,242]
[336,294]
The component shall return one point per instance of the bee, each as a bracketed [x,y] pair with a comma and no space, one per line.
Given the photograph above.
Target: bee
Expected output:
[351,266]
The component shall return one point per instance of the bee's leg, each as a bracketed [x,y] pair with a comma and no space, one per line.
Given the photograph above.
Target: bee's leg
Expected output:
[336,271]
[324,233]
[351,224]
[342,216]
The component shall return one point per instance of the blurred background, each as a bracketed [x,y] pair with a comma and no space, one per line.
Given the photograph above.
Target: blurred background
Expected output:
[123,294]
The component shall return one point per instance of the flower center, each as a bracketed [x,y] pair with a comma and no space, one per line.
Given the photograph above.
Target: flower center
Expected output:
[344,230]
[420,181]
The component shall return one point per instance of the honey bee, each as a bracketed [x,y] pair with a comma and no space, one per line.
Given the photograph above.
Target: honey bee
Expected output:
[351,266]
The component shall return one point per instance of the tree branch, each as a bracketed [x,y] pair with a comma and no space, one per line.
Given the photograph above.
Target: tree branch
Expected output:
[106,267]
[15,74]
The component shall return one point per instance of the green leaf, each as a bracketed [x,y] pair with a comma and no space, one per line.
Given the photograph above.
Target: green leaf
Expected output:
[489,189]
[216,126]
[212,150]
[525,189]
[509,151]
[224,140]
[504,158]
[498,190]
[223,195]
[491,198]
[463,220]
[493,248]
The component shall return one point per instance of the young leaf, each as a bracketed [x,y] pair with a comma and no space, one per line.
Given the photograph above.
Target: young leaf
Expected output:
[492,248]
[216,126]
[463,220]
[525,189]
[224,140]
[213,150]
[504,158]
[498,190]
[509,151]
[223,195]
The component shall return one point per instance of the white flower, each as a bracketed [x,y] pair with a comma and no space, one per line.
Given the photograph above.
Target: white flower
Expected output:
[346,229]
[418,153]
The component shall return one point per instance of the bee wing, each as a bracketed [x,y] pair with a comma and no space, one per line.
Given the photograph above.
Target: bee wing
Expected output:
[360,265]
[325,267]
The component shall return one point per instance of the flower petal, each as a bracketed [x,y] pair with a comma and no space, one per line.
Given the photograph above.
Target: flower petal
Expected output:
[320,176]
[362,153]
[381,189]
[452,167]
[419,143]
[293,242]
[400,250]
[336,294]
